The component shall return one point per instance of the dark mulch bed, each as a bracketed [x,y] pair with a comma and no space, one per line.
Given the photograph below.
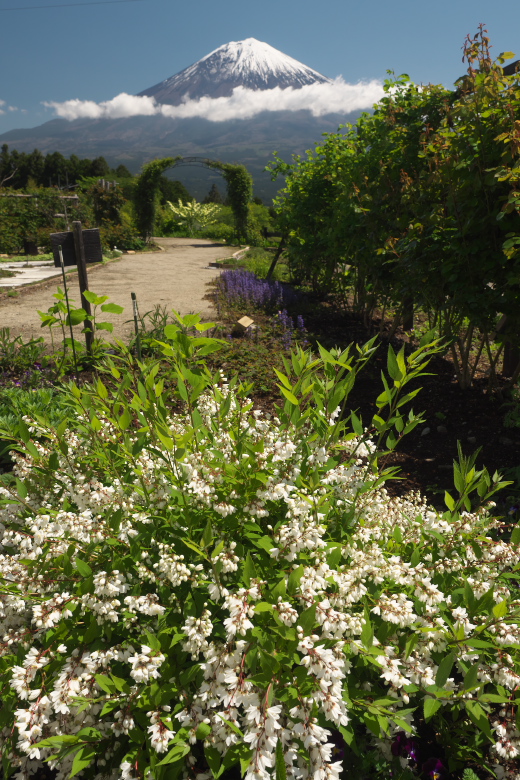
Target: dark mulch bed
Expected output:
[474,416]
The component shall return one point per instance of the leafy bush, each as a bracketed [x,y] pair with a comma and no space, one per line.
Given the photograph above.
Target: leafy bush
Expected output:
[418,204]
[120,236]
[35,218]
[220,232]
[189,586]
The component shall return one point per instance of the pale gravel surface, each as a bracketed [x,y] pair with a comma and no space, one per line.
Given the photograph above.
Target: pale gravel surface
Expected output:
[176,278]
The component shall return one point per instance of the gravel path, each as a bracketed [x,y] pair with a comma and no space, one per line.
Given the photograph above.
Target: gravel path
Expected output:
[176,279]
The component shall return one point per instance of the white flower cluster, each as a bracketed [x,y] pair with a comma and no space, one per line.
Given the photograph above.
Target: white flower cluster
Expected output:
[93,562]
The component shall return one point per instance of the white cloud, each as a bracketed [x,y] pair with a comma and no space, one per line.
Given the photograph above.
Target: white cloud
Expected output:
[335,97]
[4,107]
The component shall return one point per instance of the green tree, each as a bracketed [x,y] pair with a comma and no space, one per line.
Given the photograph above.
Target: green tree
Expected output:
[214,195]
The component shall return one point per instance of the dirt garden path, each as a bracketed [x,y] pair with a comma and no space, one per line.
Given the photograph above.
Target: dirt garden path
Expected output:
[175,278]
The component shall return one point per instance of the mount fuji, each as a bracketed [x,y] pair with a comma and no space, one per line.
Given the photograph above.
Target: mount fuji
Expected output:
[250,64]
[239,103]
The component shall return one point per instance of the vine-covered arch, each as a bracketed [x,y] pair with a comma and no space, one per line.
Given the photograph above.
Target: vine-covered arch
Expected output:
[239,190]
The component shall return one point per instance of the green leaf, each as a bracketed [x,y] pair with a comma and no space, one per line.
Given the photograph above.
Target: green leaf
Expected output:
[279,590]
[478,716]
[281,771]
[75,317]
[249,570]
[263,606]
[307,619]
[92,298]
[290,397]
[444,670]
[203,730]
[178,752]
[471,677]
[105,683]
[393,368]
[112,308]
[125,419]
[230,725]
[83,568]
[500,610]
[90,734]
[108,326]
[58,741]
[515,536]
[367,632]
[214,760]
[449,501]
[207,536]
[294,579]
[430,707]
[82,759]
[21,488]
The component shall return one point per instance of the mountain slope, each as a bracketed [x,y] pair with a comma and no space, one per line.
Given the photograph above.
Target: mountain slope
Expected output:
[250,63]
[134,140]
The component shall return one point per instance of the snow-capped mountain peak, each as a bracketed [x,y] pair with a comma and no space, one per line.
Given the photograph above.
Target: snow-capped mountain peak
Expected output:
[249,63]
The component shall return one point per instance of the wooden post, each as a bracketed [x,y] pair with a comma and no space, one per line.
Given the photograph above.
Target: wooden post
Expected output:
[281,247]
[83,281]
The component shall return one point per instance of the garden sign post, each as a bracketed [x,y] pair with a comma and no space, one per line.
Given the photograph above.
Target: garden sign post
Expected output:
[83,281]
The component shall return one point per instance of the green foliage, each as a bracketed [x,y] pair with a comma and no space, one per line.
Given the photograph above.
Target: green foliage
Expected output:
[145,195]
[106,204]
[19,170]
[219,232]
[35,217]
[418,204]
[60,317]
[18,355]
[172,190]
[190,583]
[239,194]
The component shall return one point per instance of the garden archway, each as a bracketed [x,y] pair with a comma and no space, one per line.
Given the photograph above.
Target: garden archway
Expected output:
[237,177]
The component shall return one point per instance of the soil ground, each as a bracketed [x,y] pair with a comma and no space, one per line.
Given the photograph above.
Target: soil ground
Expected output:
[175,279]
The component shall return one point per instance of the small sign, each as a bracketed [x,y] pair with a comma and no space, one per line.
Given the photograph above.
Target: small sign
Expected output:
[245,322]
[91,241]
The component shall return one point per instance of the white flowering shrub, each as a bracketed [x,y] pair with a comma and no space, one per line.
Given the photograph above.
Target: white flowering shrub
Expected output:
[194,216]
[190,586]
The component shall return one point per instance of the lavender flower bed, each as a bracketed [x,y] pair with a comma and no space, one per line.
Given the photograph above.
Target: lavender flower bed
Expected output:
[240,287]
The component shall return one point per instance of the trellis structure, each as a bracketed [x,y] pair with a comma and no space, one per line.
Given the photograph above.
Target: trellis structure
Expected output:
[237,177]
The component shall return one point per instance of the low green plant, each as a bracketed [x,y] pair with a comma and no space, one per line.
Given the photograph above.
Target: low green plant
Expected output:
[60,317]
[191,586]
[17,355]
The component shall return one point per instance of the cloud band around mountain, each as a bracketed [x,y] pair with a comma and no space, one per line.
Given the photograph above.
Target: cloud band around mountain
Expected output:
[335,97]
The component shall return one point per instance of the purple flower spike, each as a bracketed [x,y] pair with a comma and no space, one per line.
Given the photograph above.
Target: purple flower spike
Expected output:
[244,288]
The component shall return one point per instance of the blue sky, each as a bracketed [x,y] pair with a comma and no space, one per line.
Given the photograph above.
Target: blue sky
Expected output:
[94,52]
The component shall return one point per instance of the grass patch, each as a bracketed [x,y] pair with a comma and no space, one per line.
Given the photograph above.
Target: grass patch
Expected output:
[26,258]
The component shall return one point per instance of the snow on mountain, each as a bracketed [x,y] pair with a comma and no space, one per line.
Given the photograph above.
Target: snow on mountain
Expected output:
[250,63]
